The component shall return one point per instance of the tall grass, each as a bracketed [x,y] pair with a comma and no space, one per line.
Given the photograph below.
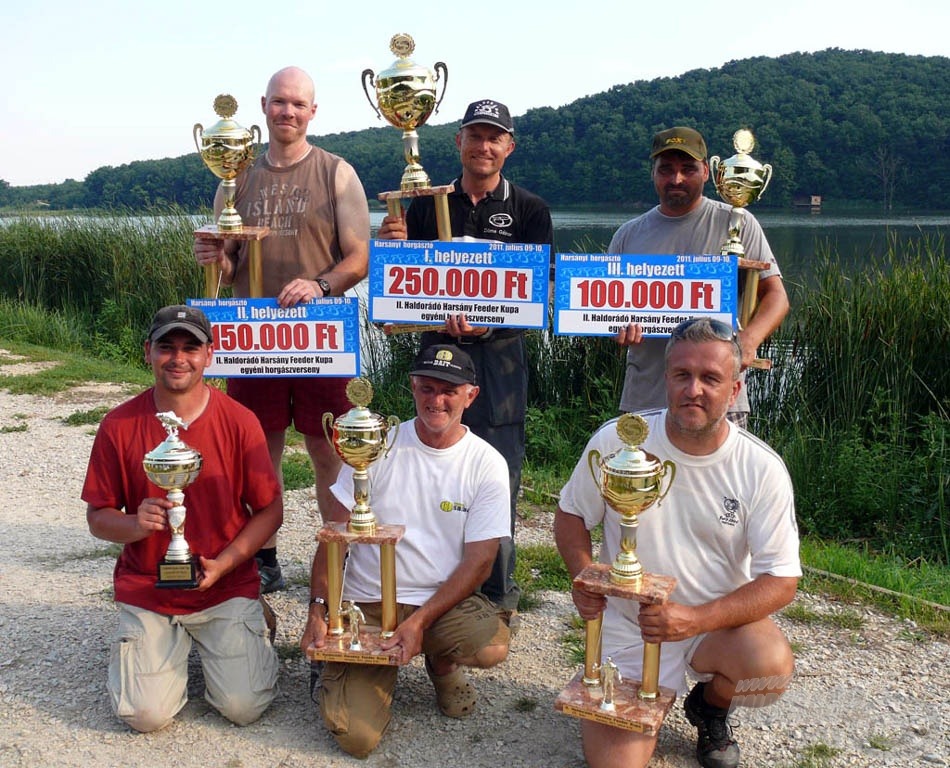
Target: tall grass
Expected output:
[859,401]
[103,277]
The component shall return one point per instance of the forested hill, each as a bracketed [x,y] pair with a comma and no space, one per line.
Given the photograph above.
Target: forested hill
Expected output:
[847,125]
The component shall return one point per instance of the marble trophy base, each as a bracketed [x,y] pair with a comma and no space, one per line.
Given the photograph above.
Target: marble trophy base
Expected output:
[630,712]
[338,649]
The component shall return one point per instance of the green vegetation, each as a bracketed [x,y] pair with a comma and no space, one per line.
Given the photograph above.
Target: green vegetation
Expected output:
[818,755]
[847,125]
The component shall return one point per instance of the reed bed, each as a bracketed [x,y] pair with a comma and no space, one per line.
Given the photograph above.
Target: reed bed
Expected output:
[857,402]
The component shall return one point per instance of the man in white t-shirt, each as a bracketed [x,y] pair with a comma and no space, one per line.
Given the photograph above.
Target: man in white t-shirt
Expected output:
[726,531]
[449,488]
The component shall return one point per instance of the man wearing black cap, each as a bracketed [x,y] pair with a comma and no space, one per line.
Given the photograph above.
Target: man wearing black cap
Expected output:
[233,506]
[449,488]
[687,222]
[484,205]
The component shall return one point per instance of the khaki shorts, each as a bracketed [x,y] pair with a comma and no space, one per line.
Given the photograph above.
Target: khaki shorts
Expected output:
[148,666]
[355,699]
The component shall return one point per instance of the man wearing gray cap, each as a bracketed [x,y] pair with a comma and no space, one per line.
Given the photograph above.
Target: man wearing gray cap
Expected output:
[486,206]
[449,488]
[687,222]
[234,505]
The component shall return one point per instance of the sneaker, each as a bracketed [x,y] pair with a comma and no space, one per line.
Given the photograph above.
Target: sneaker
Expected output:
[513,620]
[272,579]
[715,747]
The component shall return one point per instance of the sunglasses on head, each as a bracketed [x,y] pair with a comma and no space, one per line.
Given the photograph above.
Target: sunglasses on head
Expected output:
[719,329]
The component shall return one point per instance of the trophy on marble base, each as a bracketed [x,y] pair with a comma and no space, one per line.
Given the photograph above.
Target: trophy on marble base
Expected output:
[359,437]
[406,97]
[630,480]
[173,466]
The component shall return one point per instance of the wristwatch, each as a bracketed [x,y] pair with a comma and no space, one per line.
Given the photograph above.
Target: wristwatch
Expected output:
[324,285]
[321,601]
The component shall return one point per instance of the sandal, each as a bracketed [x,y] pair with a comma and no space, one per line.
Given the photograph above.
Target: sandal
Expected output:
[454,692]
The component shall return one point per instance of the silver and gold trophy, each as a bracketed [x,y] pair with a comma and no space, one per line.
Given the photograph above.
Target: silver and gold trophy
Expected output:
[630,480]
[173,466]
[227,149]
[740,180]
[359,438]
[406,97]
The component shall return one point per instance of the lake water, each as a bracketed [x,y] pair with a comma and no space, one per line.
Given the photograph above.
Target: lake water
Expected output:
[795,236]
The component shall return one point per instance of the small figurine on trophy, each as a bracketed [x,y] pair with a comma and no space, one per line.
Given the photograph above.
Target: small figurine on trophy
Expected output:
[630,480]
[406,95]
[359,437]
[172,466]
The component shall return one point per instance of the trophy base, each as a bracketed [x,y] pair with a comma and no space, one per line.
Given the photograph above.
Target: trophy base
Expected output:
[338,649]
[649,588]
[629,712]
[216,232]
[178,575]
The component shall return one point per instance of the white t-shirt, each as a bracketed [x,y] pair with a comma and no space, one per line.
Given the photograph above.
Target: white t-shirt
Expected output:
[728,518]
[444,497]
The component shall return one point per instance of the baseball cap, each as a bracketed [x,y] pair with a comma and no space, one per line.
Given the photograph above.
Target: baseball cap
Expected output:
[446,362]
[680,138]
[490,112]
[182,318]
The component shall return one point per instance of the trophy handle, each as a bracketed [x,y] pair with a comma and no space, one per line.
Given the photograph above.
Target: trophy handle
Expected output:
[766,178]
[328,420]
[445,80]
[713,167]
[255,138]
[197,131]
[368,73]
[669,468]
[393,422]
[593,458]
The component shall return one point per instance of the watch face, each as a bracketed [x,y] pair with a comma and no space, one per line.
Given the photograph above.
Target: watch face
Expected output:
[324,286]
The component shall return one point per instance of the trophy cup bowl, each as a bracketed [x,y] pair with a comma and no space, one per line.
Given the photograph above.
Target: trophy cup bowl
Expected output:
[630,480]
[173,466]
[359,436]
[740,180]
[227,149]
[406,97]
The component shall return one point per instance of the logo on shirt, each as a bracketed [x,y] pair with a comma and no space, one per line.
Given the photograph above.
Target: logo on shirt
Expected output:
[501,220]
[452,506]
[730,515]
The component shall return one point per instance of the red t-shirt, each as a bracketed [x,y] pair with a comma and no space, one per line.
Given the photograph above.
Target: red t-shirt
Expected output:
[236,476]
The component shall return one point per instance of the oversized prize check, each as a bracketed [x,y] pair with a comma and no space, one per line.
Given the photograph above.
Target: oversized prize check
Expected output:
[258,338]
[492,284]
[597,294]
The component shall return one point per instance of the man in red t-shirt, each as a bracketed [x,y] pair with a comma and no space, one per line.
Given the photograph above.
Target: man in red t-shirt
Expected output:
[233,506]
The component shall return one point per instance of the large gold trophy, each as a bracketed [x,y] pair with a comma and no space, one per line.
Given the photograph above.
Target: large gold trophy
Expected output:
[228,150]
[630,480]
[406,97]
[740,180]
[359,437]
[173,466]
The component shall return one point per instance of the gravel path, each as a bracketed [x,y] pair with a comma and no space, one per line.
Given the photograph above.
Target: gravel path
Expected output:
[879,693]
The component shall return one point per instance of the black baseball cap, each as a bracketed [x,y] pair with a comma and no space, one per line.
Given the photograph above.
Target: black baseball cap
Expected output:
[490,112]
[179,317]
[445,362]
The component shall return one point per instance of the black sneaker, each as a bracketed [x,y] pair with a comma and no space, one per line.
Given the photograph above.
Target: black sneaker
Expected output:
[715,747]
[272,579]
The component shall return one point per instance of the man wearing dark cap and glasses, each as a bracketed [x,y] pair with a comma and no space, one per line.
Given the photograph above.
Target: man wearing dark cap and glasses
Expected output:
[233,506]
[484,205]
[726,531]
[687,222]
[449,488]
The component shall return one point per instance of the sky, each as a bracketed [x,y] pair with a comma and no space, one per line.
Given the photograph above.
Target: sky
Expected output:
[108,83]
